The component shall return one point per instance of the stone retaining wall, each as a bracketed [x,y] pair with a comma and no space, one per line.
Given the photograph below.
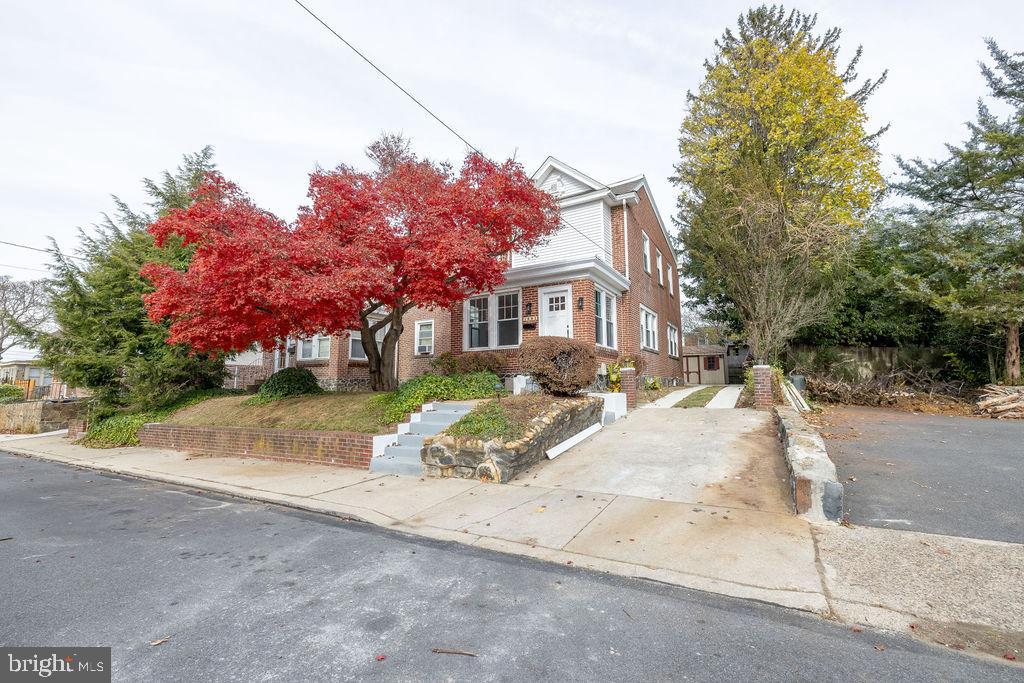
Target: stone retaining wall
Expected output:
[496,461]
[37,417]
[346,449]
[816,490]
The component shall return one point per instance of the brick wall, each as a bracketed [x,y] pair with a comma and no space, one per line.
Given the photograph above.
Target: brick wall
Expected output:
[346,449]
[410,363]
[645,288]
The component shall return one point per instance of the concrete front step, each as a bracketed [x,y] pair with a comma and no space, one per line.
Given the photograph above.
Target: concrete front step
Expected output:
[385,464]
[404,458]
[442,417]
[415,440]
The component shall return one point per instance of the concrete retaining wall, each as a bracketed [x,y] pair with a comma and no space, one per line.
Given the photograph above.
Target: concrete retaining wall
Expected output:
[37,417]
[347,449]
[816,490]
[496,461]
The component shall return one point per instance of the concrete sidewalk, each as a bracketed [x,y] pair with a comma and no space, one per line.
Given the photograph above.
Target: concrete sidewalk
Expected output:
[874,576]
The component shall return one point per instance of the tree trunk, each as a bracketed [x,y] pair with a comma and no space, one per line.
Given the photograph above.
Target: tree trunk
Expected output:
[383,362]
[993,370]
[1012,357]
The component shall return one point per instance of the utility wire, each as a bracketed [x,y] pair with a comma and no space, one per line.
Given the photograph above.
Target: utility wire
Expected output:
[24,246]
[427,109]
[7,265]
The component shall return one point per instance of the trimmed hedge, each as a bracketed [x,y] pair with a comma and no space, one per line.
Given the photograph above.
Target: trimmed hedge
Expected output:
[561,366]
[449,363]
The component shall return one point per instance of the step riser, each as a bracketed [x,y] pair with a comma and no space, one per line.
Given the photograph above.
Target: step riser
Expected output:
[414,440]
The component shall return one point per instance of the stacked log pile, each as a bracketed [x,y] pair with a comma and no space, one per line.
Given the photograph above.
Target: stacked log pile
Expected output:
[1002,401]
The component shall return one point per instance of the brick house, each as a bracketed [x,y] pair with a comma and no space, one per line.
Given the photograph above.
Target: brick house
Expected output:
[607,276]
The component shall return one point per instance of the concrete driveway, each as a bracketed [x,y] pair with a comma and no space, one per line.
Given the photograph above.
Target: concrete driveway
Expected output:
[958,476]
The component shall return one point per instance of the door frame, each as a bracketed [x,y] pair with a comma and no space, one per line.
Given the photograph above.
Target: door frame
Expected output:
[554,289]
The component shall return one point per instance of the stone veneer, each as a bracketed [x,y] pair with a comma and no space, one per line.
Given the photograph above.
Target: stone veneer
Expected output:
[497,461]
[37,417]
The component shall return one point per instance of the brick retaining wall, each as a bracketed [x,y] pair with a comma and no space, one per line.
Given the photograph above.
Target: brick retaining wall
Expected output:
[347,449]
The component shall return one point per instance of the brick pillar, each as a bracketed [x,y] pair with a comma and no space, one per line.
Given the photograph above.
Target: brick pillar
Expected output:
[764,398]
[628,381]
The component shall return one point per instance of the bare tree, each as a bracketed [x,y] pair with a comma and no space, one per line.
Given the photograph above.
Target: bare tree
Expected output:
[23,311]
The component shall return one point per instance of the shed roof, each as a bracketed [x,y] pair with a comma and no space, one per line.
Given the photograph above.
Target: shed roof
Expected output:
[702,350]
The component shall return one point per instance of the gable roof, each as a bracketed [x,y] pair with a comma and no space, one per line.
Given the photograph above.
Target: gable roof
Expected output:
[552,164]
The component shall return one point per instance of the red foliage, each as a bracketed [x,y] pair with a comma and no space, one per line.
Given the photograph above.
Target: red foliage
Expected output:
[413,233]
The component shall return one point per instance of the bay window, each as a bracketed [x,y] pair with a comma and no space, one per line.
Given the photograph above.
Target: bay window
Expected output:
[493,321]
[604,318]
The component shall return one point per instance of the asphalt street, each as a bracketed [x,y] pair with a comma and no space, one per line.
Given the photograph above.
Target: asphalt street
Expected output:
[958,476]
[246,591]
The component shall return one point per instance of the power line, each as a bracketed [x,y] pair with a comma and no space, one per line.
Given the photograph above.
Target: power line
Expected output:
[24,246]
[427,109]
[38,270]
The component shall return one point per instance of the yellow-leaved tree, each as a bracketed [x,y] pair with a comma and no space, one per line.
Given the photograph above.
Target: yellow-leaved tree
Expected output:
[777,171]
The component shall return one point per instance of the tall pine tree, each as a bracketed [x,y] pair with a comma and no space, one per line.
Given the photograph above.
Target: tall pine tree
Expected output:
[976,211]
[105,341]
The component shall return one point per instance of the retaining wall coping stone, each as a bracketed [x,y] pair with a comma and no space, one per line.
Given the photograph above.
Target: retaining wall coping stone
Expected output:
[817,492]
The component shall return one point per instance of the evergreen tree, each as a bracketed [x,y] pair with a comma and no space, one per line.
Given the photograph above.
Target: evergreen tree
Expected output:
[105,341]
[976,214]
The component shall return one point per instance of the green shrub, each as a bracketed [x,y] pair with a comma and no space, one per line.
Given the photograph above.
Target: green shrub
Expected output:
[284,383]
[11,391]
[487,422]
[4,400]
[122,428]
[425,388]
[561,366]
[449,363]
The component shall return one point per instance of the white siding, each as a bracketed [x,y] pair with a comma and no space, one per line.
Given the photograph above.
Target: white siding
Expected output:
[592,219]
[569,185]
[607,236]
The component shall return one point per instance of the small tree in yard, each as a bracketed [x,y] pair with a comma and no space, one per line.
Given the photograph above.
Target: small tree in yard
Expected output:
[369,247]
[23,310]
[777,172]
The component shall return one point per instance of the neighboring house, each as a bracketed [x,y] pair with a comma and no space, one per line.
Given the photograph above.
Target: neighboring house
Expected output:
[13,370]
[607,277]
[704,363]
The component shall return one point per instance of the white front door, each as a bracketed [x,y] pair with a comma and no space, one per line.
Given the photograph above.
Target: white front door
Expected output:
[555,313]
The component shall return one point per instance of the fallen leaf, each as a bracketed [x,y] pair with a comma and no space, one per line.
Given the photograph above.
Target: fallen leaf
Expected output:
[1009,655]
[857,628]
[880,647]
[542,508]
[159,641]
[381,658]
[851,478]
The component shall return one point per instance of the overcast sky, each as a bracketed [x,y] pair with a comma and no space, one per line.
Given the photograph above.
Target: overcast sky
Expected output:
[96,95]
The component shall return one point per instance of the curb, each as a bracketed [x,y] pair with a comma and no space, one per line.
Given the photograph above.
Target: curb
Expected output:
[814,484]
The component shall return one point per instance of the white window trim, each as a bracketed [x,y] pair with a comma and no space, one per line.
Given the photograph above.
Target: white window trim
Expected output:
[645,241]
[615,318]
[416,338]
[660,261]
[356,335]
[492,321]
[643,337]
[673,340]
[316,348]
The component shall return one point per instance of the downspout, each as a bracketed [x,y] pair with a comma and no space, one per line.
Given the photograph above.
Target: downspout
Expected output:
[625,235]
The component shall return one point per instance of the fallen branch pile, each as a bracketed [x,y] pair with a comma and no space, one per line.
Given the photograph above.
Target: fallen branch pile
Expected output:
[1001,401]
[882,390]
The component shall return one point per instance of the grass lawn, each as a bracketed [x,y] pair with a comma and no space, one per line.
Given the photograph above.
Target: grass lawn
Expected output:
[506,418]
[342,411]
[699,398]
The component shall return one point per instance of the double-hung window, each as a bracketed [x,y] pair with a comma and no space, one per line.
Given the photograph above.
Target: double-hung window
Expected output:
[355,343]
[604,318]
[317,347]
[673,341]
[661,267]
[646,244]
[424,336]
[648,329]
[670,292]
[493,321]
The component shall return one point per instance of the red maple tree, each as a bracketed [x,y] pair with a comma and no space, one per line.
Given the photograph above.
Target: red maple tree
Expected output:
[369,247]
